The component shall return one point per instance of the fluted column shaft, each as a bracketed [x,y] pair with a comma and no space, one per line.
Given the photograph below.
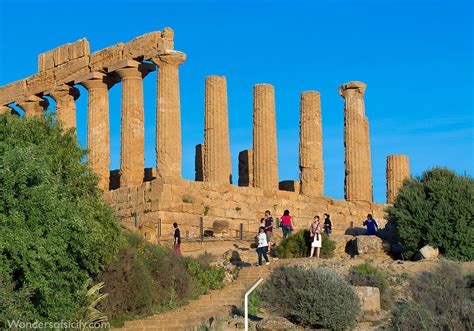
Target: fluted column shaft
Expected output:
[34,106]
[358,175]
[65,98]
[168,116]
[217,163]
[398,169]
[311,145]
[132,148]
[265,154]
[98,129]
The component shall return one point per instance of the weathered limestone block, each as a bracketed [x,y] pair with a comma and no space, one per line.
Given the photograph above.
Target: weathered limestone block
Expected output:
[311,145]
[167,39]
[246,168]
[265,158]
[8,110]
[220,228]
[398,169]
[369,298]
[63,54]
[98,126]
[168,114]
[65,97]
[427,252]
[274,323]
[34,106]
[13,92]
[40,82]
[358,177]
[217,163]
[370,245]
[107,57]
[144,46]
[199,163]
[70,71]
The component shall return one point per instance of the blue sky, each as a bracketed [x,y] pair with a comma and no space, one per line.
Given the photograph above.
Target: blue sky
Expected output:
[415,56]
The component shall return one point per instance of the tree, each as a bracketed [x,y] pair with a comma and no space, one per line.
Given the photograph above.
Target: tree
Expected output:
[436,209]
[56,233]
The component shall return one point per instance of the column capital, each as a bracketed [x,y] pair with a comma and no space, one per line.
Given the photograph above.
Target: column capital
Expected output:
[64,91]
[95,80]
[131,69]
[34,105]
[169,57]
[357,87]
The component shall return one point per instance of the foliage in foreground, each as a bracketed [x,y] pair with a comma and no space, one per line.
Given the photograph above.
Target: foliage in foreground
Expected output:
[366,274]
[299,244]
[56,232]
[314,297]
[147,278]
[436,209]
[442,300]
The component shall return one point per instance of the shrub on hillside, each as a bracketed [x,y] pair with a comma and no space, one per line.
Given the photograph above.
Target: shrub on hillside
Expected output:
[441,300]
[147,278]
[366,274]
[299,244]
[314,297]
[435,209]
[56,231]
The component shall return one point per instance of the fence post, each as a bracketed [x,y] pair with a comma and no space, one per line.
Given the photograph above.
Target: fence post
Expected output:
[135,218]
[201,228]
[241,234]
[158,229]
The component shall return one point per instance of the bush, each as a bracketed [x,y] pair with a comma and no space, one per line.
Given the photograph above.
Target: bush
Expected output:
[366,274]
[56,232]
[299,244]
[435,209]
[441,300]
[314,297]
[147,278]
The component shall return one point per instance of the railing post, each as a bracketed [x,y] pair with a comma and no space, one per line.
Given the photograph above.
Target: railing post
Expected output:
[135,218]
[158,229]
[201,228]
[246,302]
[241,234]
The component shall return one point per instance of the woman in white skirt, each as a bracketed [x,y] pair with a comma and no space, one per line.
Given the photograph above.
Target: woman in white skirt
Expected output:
[315,231]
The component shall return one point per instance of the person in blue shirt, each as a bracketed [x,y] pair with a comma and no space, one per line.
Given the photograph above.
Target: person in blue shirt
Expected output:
[371,225]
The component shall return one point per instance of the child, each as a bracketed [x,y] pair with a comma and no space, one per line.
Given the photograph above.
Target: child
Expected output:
[327,224]
[262,246]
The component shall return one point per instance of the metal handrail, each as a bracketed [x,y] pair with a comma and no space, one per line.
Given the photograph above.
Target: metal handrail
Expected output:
[246,302]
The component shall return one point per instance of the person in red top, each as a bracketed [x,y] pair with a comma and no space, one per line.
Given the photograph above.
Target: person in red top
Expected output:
[286,223]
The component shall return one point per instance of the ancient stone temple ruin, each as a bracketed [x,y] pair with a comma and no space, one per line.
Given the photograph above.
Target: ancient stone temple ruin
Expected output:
[150,200]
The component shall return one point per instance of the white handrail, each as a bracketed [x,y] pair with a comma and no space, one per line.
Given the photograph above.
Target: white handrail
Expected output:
[246,302]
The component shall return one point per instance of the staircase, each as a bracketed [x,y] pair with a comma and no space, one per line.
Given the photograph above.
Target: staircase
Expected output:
[206,309]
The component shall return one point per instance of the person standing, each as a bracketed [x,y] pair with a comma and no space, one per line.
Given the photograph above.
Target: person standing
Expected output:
[327,224]
[315,232]
[177,239]
[269,228]
[371,225]
[262,246]
[286,223]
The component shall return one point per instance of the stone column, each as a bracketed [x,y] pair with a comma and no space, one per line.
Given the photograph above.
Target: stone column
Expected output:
[358,176]
[168,117]
[98,127]
[132,148]
[34,106]
[199,163]
[217,164]
[65,98]
[398,169]
[246,168]
[311,145]
[265,155]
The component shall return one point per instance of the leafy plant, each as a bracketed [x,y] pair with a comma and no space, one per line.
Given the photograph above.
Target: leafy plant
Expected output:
[314,297]
[435,209]
[298,245]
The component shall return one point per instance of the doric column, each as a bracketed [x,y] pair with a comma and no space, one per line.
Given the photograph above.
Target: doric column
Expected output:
[265,155]
[34,106]
[65,98]
[358,177]
[217,164]
[246,168]
[132,148]
[168,117]
[199,163]
[311,145]
[398,169]
[98,127]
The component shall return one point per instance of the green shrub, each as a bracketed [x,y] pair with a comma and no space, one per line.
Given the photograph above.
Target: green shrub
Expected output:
[56,231]
[15,304]
[314,297]
[147,278]
[435,209]
[299,244]
[441,300]
[366,274]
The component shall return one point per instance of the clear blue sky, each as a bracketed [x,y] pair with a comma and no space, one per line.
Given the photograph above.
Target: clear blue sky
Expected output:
[415,56]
